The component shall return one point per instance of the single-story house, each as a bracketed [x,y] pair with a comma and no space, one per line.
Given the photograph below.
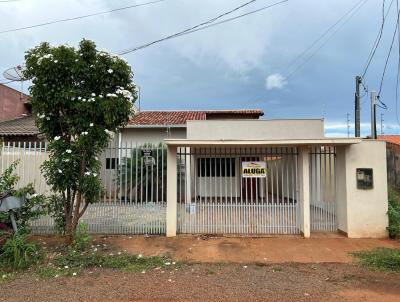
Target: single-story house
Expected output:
[230,172]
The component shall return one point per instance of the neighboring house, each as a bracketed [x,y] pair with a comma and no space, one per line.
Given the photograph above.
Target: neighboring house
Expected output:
[13,103]
[21,129]
[16,122]
[392,158]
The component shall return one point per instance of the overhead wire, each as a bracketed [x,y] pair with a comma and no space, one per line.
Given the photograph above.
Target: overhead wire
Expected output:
[80,17]
[382,104]
[202,26]
[353,11]
[377,39]
[326,32]
[398,65]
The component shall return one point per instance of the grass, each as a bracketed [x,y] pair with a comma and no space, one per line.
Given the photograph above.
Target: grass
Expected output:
[381,259]
[72,262]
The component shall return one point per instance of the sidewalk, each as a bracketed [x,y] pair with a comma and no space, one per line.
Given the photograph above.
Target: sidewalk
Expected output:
[322,248]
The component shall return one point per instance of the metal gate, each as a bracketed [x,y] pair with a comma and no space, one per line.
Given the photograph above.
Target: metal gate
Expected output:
[133,176]
[214,197]
[323,189]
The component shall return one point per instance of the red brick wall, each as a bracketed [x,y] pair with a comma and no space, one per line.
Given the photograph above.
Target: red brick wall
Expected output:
[12,104]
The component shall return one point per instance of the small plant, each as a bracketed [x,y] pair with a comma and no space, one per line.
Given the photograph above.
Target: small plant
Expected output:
[34,206]
[18,253]
[81,239]
[383,259]
[394,213]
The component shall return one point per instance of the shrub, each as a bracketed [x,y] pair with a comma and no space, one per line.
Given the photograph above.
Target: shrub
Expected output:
[394,213]
[81,239]
[18,253]
[383,259]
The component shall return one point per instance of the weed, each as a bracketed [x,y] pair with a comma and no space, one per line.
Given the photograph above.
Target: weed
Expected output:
[82,238]
[382,259]
[394,213]
[18,253]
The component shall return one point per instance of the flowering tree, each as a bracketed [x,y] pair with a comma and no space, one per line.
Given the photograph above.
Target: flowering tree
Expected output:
[80,97]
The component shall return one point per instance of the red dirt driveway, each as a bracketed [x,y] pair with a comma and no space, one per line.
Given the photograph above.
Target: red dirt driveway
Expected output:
[319,249]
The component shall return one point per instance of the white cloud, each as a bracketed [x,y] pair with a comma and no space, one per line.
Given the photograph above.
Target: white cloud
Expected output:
[275,81]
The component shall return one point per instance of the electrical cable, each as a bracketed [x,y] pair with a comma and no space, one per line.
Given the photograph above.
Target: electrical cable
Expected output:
[384,106]
[202,27]
[315,42]
[326,41]
[398,66]
[80,17]
[377,39]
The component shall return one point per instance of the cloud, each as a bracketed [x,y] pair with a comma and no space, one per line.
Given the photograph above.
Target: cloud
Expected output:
[275,81]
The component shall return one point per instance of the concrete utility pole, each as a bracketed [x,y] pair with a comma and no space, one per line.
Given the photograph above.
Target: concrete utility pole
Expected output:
[373,115]
[348,124]
[382,124]
[357,107]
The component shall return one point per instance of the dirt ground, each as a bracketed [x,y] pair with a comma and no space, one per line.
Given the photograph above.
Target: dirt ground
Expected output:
[221,269]
[212,282]
[319,249]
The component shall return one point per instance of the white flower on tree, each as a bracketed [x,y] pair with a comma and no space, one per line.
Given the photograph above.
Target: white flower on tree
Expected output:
[110,71]
[69,151]
[56,138]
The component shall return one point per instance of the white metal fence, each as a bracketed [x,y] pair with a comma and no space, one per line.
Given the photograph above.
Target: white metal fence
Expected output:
[214,197]
[323,189]
[133,199]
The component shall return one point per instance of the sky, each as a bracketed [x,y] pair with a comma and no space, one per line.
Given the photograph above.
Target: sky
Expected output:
[251,62]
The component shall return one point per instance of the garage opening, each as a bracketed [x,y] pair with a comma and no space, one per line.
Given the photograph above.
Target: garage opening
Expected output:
[238,190]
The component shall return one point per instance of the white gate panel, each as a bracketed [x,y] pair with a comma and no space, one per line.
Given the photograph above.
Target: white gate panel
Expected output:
[214,197]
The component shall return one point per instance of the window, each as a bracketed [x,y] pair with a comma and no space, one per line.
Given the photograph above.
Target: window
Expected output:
[216,167]
[111,163]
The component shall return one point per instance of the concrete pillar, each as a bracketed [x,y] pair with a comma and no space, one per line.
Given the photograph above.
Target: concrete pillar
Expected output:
[341,189]
[172,184]
[304,190]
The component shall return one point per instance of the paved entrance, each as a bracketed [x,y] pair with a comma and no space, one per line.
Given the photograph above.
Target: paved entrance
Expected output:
[321,248]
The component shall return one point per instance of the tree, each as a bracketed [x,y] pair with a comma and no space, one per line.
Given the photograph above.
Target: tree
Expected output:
[79,97]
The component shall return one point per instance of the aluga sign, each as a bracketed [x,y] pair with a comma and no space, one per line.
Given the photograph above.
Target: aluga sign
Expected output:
[256,169]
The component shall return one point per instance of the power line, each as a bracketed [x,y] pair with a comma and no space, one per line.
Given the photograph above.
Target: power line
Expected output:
[202,26]
[398,65]
[354,11]
[315,42]
[80,17]
[386,62]
[377,39]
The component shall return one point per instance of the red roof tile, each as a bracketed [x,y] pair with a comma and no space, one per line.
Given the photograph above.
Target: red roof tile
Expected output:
[166,117]
[393,139]
[180,117]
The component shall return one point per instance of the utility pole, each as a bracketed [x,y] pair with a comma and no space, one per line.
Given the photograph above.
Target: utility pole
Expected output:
[382,124]
[373,115]
[357,107]
[348,124]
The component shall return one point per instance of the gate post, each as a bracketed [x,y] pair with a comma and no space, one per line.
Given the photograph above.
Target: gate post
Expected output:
[172,184]
[304,190]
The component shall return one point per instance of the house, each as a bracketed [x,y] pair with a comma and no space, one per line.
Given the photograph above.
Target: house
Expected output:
[274,177]
[230,172]
[13,103]
[16,122]
[19,130]
[155,126]
[392,158]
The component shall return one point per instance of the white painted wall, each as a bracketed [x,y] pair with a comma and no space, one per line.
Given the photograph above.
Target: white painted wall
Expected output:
[362,213]
[255,129]
[150,135]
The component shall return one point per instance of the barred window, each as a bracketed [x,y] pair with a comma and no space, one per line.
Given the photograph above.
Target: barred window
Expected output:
[216,167]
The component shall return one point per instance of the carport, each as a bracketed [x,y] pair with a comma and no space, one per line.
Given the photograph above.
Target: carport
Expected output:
[305,186]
